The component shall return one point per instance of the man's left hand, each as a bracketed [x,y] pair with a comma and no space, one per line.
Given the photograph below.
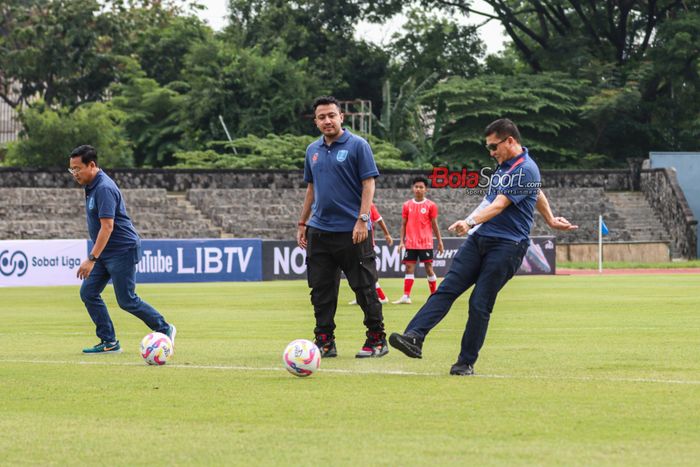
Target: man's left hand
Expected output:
[560,223]
[359,233]
[441,247]
[85,269]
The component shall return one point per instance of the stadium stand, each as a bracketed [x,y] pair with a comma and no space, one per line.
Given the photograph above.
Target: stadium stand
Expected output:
[272,214]
[36,213]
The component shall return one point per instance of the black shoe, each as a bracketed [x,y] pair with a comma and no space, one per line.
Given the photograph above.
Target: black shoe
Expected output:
[326,344]
[462,369]
[407,343]
[375,346]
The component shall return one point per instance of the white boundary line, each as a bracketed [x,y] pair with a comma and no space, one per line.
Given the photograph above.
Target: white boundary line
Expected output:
[364,372]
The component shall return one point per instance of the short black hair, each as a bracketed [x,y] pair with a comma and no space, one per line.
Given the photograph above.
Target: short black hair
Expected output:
[420,179]
[86,153]
[326,100]
[503,128]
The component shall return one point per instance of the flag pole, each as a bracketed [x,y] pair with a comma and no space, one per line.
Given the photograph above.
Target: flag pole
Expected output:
[600,244]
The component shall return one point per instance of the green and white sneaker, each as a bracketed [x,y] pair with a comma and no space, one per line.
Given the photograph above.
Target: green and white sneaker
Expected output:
[172,331]
[104,347]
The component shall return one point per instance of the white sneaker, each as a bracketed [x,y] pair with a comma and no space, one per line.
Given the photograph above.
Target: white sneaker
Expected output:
[383,300]
[354,302]
[405,299]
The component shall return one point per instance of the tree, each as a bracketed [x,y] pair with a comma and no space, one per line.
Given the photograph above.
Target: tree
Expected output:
[162,48]
[544,106]
[50,135]
[429,44]
[154,118]
[321,32]
[59,51]
[255,93]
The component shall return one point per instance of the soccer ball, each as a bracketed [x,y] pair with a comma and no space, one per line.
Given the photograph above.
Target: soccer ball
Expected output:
[156,348]
[301,357]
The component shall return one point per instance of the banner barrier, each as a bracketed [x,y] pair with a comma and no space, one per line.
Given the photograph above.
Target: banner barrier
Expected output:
[55,262]
[40,262]
[200,260]
[284,260]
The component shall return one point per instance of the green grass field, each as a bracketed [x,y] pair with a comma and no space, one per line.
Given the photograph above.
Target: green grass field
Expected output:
[575,371]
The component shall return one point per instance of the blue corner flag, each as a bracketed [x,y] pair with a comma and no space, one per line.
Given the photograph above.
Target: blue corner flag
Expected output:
[603,227]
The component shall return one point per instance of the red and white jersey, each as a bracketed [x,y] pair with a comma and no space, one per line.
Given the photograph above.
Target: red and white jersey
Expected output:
[419,227]
[374,215]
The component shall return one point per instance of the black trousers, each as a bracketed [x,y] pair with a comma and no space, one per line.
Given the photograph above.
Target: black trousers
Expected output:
[328,253]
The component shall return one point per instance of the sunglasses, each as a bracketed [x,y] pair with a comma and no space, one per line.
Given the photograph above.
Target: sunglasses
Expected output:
[494,146]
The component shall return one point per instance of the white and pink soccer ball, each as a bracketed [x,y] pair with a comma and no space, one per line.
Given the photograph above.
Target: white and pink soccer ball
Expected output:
[301,357]
[156,348]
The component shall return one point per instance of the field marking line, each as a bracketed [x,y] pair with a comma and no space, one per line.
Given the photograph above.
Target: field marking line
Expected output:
[367,372]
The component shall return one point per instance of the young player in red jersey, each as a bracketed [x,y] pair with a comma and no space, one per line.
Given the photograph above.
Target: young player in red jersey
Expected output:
[419,223]
[377,219]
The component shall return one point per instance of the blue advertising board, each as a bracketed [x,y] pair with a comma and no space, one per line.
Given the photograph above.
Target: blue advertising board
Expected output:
[199,260]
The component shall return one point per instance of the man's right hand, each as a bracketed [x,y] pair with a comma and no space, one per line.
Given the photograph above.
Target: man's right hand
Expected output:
[301,236]
[459,227]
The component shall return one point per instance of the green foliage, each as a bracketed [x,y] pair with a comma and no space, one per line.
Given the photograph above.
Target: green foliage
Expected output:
[162,49]
[674,83]
[402,121]
[154,119]
[50,135]
[321,32]
[433,45]
[57,50]
[544,106]
[276,152]
[255,93]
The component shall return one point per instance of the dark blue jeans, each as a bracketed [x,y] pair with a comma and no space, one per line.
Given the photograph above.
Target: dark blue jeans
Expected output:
[485,262]
[121,269]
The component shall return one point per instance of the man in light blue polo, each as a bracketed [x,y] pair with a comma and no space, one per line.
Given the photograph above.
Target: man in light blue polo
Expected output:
[334,226]
[116,251]
[499,237]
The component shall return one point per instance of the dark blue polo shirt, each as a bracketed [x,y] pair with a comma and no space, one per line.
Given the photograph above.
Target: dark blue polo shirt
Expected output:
[519,180]
[337,172]
[103,200]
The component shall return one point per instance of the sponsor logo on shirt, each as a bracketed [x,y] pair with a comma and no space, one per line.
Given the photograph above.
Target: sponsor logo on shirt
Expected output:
[314,158]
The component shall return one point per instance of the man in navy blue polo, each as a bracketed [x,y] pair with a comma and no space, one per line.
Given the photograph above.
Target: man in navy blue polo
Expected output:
[334,224]
[116,251]
[499,237]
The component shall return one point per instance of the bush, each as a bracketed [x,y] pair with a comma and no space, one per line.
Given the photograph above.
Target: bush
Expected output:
[276,152]
[49,136]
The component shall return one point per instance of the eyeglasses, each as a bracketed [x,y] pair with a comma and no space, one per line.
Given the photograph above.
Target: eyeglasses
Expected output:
[75,170]
[494,146]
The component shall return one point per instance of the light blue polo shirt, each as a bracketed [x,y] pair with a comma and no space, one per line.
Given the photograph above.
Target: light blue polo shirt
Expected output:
[519,180]
[103,200]
[337,172]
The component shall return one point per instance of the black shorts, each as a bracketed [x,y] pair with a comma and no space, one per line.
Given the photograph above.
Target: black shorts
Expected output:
[413,256]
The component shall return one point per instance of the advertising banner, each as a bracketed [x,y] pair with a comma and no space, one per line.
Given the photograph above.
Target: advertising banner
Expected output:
[283,260]
[200,260]
[40,262]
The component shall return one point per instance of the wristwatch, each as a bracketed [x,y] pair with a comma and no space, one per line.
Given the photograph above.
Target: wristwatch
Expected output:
[364,217]
[92,257]
[470,221]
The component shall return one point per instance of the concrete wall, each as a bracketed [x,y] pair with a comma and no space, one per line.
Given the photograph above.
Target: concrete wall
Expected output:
[657,252]
[661,189]
[181,179]
[687,171]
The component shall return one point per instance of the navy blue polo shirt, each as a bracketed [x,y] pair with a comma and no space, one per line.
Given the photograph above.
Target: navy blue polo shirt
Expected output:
[103,200]
[337,172]
[519,180]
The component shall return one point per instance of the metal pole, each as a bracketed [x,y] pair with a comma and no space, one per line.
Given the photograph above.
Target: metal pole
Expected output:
[228,135]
